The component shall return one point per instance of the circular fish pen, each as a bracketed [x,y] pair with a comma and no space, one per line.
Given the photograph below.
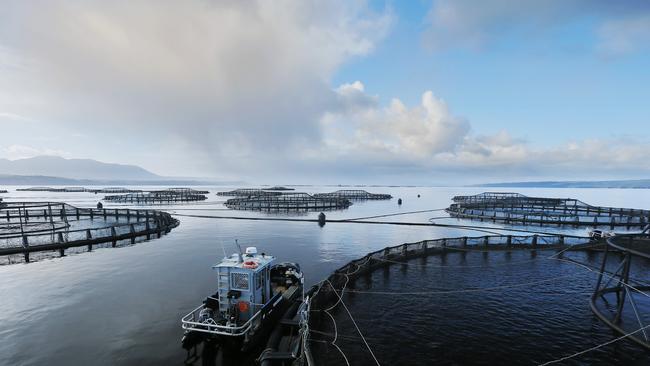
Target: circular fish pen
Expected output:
[184,191]
[40,189]
[79,190]
[34,230]
[158,197]
[476,300]
[354,194]
[514,208]
[248,192]
[114,190]
[287,202]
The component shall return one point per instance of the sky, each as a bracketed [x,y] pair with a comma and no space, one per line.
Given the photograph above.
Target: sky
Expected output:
[351,92]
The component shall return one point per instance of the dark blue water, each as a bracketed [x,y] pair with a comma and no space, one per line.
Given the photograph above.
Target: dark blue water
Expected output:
[541,314]
[123,306]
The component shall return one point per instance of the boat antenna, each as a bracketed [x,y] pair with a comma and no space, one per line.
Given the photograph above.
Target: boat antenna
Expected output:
[241,259]
[224,250]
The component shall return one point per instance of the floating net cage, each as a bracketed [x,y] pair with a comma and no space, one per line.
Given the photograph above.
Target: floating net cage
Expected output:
[320,328]
[79,190]
[40,189]
[43,228]
[354,194]
[184,191]
[175,195]
[326,294]
[115,190]
[514,208]
[287,202]
[249,192]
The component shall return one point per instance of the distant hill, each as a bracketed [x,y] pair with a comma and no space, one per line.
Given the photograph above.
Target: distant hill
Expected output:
[40,180]
[638,183]
[54,166]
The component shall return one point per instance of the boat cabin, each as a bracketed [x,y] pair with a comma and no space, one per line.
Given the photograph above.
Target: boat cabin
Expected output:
[244,283]
[251,291]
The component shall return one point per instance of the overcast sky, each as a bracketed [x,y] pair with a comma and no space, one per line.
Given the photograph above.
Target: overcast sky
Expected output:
[403,92]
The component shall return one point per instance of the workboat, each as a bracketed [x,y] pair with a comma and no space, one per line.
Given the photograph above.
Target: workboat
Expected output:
[256,300]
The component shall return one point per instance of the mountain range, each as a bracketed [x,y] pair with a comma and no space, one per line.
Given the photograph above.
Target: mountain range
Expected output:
[54,166]
[54,170]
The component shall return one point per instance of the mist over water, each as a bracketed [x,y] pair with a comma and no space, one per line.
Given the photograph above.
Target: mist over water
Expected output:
[123,306]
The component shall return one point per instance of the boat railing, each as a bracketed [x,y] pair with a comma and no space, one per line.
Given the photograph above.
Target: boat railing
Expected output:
[192,322]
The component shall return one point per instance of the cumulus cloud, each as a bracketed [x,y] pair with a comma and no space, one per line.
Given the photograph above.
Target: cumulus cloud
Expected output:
[430,141]
[473,24]
[396,129]
[235,79]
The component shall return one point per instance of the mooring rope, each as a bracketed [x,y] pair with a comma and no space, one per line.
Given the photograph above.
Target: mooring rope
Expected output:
[336,333]
[397,214]
[359,221]
[327,311]
[595,347]
[355,324]
[605,275]
[350,338]
[636,280]
[347,280]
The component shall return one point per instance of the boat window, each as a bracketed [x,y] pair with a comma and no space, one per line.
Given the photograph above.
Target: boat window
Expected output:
[239,281]
[258,280]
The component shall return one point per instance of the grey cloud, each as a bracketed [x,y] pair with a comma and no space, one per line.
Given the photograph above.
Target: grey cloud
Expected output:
[244,81]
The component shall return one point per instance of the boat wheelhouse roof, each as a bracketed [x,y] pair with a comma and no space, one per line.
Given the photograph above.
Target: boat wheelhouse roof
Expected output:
[233,261]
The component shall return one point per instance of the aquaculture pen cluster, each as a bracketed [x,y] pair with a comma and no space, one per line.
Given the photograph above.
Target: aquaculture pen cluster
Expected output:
[287,202]
[248,192]
[173,195]
[79,190]
[29,227]
[277,199]
[519,209]
[326,293]
[354,194]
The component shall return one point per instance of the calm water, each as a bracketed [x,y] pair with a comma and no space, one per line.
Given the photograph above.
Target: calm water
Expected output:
[122,306]
[525,325]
